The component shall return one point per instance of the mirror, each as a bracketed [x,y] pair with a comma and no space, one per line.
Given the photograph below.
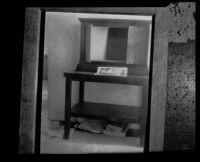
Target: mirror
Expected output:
[118,42]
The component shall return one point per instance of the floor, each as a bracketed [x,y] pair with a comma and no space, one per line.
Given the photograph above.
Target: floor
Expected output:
[52,141]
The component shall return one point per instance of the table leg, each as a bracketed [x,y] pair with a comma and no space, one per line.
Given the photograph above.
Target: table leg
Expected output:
[81,92]
[144,114]
[67,107]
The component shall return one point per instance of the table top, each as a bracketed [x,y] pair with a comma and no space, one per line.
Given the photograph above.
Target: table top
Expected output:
[91,77]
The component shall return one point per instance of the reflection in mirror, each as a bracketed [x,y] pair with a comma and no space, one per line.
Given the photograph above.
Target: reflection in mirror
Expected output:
[129,45]
[73,39]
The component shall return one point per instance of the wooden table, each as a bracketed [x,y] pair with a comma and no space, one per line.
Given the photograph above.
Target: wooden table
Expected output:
[101,110]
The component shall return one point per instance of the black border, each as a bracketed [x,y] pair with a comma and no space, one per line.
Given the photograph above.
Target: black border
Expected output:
[16,18]
[39,88]
[13,38]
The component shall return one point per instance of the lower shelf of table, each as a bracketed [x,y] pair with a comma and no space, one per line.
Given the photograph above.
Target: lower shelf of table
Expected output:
[104,111]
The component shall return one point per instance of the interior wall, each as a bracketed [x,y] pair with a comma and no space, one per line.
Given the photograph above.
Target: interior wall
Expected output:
[62,35]
[63,46]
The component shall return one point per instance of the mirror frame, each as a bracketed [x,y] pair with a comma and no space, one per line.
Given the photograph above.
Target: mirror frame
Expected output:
[91,66]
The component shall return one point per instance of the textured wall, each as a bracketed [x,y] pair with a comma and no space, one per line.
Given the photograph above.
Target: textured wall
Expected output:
[182,22]
[180,106]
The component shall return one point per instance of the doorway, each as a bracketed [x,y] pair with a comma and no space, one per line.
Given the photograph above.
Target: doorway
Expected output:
[61,54]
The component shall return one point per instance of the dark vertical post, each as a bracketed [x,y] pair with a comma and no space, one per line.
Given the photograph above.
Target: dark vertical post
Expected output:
[67,107]
[81,92]
[144,112]
[147,134]
[40,81]
[82,46]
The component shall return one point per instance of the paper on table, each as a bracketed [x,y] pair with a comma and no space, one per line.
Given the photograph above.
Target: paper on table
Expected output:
[113,71]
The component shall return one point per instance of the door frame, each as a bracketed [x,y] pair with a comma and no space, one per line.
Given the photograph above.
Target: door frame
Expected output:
[32,71]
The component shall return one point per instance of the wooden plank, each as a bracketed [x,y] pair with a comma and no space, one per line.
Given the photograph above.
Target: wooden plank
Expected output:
[159,80]
[133,69]
[144,11]
[107,111]
[115,22]
[122,24]
[29,81]
[90,77]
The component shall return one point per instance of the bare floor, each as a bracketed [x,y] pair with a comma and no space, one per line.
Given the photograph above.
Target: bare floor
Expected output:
[52,141]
